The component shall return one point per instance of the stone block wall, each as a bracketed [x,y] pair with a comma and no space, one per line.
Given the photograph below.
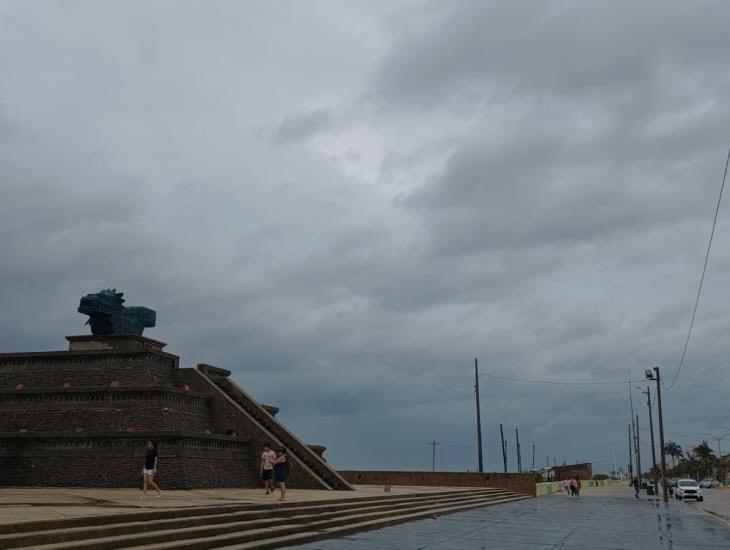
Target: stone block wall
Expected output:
[103,410]
[51,370]
[519,483]
[116,460]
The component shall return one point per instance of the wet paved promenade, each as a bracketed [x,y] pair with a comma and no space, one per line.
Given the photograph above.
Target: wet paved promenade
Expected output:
[604,518]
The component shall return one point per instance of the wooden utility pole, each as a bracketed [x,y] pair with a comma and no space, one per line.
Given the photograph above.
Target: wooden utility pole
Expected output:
[533,456]
[665,492]
[519,451]
[631,459]
[638,451]
[479,416]
[433,454]
[651,434]
[634,446]
[504,448]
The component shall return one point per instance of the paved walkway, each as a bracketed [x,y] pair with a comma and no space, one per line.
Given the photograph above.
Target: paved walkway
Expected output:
[717,503]
[604,518]
[26,504]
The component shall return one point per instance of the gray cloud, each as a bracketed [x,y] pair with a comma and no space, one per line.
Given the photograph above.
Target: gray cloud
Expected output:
[525,183]
[303,125]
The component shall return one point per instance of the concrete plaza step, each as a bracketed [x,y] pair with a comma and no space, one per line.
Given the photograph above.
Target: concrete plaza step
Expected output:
[148,514]
[220,526]
[319,533]
[297,525]
[206,516]
[340,526]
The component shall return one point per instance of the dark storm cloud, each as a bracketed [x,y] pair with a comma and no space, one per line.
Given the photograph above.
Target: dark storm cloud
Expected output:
[529,183]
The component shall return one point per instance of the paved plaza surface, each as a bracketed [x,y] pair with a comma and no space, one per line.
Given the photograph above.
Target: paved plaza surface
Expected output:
[603,518]
[19,504]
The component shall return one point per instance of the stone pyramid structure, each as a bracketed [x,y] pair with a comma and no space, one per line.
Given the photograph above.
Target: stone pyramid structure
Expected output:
[81,417]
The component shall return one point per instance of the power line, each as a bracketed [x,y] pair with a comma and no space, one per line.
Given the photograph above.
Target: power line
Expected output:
[457,446]
[555,382]
[702,277]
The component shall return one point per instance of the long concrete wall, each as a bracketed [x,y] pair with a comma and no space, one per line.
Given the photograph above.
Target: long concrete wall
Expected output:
[519,483]
[552,487]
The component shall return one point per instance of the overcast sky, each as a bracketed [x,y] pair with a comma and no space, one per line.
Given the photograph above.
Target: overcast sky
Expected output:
[344,203]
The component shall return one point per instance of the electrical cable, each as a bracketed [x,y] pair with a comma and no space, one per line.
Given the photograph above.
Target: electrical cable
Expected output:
[554,382]
[702,277]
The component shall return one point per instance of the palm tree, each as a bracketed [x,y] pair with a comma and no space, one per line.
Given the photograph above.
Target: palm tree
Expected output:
[705,455]
[674,450]
[688,465]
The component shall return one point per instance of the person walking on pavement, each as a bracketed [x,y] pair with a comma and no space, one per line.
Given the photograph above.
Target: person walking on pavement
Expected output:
[267,468]
[572,487]
[577,486]
[282,469]
[566,487]
[637,487]
[150,469]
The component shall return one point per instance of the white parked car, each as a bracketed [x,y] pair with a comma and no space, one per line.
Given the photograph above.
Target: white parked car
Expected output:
[709,483]
[688,488]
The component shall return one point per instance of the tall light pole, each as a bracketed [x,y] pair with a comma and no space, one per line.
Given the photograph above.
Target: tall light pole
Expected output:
[479,416]
[719,453]
[638,451]
[433,454]
[657,376]
[722,464]
[533,456]
[651,433]
[631,459]
[504,448]
[634,432]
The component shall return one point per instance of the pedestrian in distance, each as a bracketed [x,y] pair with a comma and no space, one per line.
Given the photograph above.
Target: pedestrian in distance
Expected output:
[150,470]
[566,487]
[282,469]
[637,487]
[577,486]
[267,468]
[572,487]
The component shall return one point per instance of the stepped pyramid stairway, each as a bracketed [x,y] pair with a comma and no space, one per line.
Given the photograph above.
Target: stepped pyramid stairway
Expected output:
[81,417]
[313,464]
[245,526]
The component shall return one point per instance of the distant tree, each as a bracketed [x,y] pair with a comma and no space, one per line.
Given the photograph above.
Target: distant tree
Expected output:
[705,456]
[537,476]
[688,466]
[673,450]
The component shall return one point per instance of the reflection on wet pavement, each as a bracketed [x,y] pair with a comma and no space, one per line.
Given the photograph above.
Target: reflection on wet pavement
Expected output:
[614,521]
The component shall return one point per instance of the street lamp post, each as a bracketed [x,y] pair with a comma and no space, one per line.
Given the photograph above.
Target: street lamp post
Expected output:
[656,376]
[651,433]
[719,450]
[721,462]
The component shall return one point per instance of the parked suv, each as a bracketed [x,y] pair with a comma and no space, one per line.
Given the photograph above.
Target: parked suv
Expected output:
[709,483]
[688,488]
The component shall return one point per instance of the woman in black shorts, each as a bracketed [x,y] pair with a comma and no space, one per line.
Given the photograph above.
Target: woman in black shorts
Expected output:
[281,470]
[150,469]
